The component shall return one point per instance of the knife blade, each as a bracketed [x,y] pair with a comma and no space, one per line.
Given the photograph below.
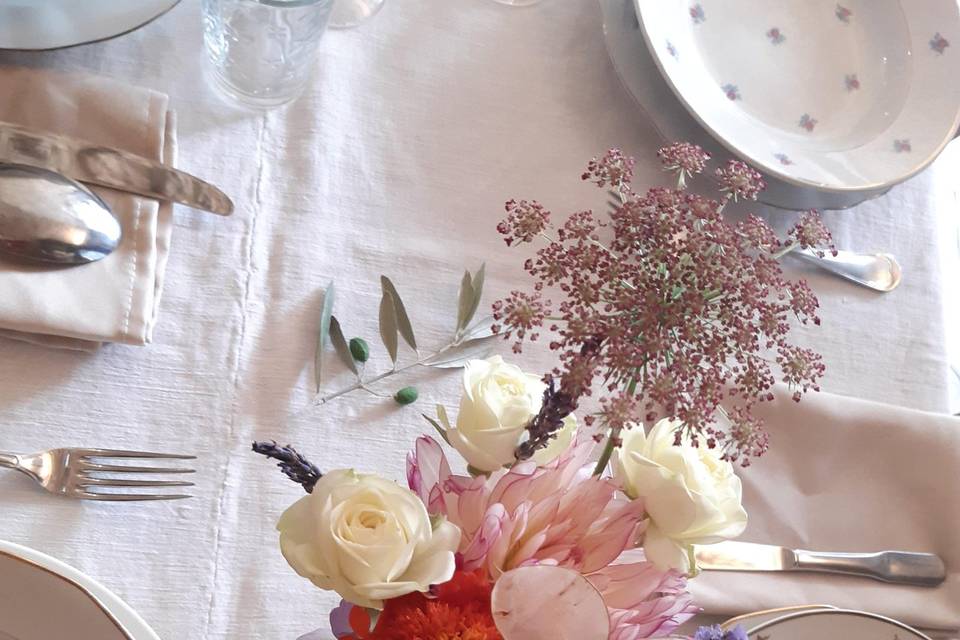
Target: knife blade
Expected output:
[901,567]
[108,167]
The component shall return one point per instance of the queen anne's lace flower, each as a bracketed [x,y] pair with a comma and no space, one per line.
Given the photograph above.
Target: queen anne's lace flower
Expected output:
[680,313]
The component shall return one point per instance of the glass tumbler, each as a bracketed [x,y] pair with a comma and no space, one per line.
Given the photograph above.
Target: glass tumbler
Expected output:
[261,52]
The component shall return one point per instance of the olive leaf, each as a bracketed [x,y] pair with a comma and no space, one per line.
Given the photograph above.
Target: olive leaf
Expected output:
[403,320]
[458,355]
[341,346]
[388,325]
[477,288]
[482,329]
[440,430]
[442,416]
[464,302]
[325,314]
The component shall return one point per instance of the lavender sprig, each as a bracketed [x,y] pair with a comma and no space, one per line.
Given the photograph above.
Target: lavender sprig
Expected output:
[557,405]
[292,463]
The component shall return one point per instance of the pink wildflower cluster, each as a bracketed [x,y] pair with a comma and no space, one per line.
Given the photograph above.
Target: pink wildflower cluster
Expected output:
[679,313]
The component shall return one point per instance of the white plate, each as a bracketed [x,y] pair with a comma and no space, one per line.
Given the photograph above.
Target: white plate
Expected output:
[751,620]
[34,585]
[52,24]
[834,625]
[641,78]
[849,96]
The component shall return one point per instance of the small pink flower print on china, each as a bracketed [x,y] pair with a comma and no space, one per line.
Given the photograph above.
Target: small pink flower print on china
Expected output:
[843,14]
[852,82]
[938,43]
[808,123]
[672,50]
[783,158]
[776,36]
[902,146]
[732,91]
[697,14]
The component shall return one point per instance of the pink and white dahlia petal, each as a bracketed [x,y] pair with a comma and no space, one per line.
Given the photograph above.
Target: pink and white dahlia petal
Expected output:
[427,468]
[608,538]
[644,601]
[474,550]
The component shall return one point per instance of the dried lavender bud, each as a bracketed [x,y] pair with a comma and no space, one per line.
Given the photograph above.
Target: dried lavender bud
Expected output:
[557,405]
[359,349]
[407,395]
[292,463]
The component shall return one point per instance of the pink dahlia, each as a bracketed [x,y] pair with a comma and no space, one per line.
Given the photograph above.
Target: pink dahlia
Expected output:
[556,514]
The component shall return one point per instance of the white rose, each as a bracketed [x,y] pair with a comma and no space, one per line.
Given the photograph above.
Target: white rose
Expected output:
[366,538]
[692,496]
[498,401]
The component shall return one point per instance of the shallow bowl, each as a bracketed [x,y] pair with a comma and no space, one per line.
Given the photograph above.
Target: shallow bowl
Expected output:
[840,97]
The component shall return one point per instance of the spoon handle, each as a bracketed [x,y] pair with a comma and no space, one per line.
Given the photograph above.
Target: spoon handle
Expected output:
[877,271]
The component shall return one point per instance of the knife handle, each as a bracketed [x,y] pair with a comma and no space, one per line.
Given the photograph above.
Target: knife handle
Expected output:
[901,567]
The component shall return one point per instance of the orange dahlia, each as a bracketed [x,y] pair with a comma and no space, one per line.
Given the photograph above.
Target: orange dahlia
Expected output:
[457,610]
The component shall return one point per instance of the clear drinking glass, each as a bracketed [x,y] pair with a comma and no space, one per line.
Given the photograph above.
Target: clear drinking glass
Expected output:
[261,52]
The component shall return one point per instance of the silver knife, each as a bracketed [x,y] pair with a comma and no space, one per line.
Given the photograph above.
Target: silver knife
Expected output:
[108,167]
[901,567]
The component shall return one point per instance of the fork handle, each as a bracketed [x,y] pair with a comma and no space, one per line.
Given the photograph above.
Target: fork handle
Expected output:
[9,460]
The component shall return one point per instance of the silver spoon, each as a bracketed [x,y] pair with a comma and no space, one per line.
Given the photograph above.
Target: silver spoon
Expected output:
[47,217]
[877,271]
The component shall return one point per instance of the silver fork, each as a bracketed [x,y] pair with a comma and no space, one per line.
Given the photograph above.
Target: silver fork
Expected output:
[77,473]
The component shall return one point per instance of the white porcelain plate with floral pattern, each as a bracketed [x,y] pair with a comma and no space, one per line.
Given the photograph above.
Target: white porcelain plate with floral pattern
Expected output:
[834,625]
[845,96]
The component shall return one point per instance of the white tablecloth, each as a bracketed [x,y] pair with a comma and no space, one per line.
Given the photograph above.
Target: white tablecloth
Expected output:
[415,129]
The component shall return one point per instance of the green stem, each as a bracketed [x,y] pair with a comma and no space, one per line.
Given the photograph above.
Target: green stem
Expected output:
[607,451]
[787,249]
[612,437]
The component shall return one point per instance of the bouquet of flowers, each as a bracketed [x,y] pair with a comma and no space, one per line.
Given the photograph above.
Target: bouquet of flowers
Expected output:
[538,539]
[516,553]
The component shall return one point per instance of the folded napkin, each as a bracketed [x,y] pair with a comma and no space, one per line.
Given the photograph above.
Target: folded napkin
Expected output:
[850,475]
[115,299]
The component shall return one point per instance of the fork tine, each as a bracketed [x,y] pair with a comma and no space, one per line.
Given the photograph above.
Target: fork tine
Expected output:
[119,468]
[120,453]
[130,497]
[123,483]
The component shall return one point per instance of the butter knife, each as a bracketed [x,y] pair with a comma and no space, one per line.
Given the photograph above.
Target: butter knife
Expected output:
[901,567]
[108,167]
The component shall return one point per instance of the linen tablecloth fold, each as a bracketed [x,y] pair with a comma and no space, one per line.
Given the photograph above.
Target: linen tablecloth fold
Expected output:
[849,475]
[117,298]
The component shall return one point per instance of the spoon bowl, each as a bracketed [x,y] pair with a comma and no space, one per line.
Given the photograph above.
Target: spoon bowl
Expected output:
[49,218]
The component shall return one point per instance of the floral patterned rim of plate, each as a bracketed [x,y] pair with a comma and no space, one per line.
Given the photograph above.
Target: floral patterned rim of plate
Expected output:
[845,623]
[750,620]
[88,593]
[640,77]
[840,97]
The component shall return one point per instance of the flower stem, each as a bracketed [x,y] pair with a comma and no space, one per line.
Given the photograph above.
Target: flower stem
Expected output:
[613,437]
[607,451]
[787,249]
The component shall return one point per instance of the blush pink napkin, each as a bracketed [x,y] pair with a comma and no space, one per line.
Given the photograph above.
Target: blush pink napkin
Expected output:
[850,475]
[116,299]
